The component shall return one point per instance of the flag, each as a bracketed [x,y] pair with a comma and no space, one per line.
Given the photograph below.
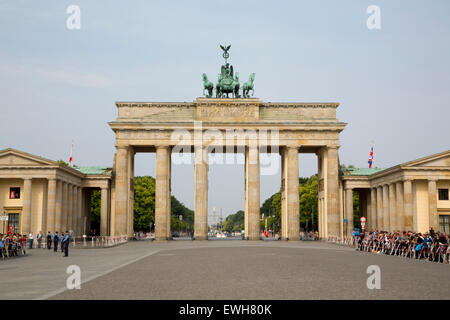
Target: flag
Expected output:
[371,158]
[71,156]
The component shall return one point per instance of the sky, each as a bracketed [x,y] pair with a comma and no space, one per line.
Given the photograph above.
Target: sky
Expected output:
[59,85]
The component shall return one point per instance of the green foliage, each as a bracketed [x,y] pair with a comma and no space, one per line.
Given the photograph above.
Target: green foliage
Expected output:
[178,209]
[63,163]
[95,210]
[144,202]
[144,208]
[308,201]
[234,222]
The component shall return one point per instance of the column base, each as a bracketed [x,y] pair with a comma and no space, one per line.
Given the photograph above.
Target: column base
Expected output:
[162,239]
[253,238]
[200,238]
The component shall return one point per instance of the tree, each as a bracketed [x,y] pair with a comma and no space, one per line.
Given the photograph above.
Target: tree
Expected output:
[144,202]
[63,163]
[144,208]
[234,222]
[95,211]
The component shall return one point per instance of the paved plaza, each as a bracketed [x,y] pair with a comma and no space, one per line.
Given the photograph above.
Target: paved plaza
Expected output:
[221,270]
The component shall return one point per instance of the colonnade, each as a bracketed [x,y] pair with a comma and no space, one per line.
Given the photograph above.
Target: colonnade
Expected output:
[329,223]
[390,206]
[65,206]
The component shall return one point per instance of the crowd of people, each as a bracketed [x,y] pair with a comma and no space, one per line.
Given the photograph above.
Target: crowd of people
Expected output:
[432,246]
[14,244]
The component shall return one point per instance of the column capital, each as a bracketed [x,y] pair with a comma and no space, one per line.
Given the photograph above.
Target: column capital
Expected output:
[122,147]
[165,146]
[407,179]
[333,147]
[433,179]
[27,178]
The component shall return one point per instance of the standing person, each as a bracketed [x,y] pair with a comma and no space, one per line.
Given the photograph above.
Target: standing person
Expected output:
[30,239]
[65,244]
[55,241]
[49,240]
[2,247]
[22,241]
[61,238]
[39,239]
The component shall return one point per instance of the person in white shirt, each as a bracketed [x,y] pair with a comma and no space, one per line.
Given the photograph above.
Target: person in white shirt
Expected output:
[30,239]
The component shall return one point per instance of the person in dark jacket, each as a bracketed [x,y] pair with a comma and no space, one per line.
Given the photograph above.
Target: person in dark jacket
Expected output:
[55,241]
[49,240]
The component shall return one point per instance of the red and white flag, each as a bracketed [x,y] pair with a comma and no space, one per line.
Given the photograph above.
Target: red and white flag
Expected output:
[71,156]
[371,158]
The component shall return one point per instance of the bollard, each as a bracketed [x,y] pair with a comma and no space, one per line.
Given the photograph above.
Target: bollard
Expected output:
[92,241]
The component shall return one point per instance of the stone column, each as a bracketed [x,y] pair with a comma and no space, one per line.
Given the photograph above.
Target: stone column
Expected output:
[368,209]
[292,195]
[51,206]
[399,206]
[162,193]
[408,204]
[201,193]
[393,215]
[80,212]
[73,226]
[169,192]
[58,206]
[26,206]
[386,220]
[432,205]
[130,215]
[319,194]
[380,215]
[104,212]
[332,176]
[42,225]
[252,192]
[64,209]
[373,208]
[121,206]
[69,206]
[349,211]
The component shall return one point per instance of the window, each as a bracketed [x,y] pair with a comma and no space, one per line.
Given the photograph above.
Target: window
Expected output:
[444,223]
[443,194]
[14,193]
[13,221]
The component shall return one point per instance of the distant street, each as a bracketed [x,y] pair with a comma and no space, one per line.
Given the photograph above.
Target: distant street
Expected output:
[221,270]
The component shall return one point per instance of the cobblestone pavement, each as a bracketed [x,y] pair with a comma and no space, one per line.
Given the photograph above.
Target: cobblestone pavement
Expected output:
[221,270]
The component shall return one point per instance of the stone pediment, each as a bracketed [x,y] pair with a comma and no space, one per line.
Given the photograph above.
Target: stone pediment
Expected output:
[436,160]
[12,157]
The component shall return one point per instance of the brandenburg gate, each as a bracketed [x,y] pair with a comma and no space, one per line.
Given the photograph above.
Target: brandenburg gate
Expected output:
[231,125]
[224,124]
